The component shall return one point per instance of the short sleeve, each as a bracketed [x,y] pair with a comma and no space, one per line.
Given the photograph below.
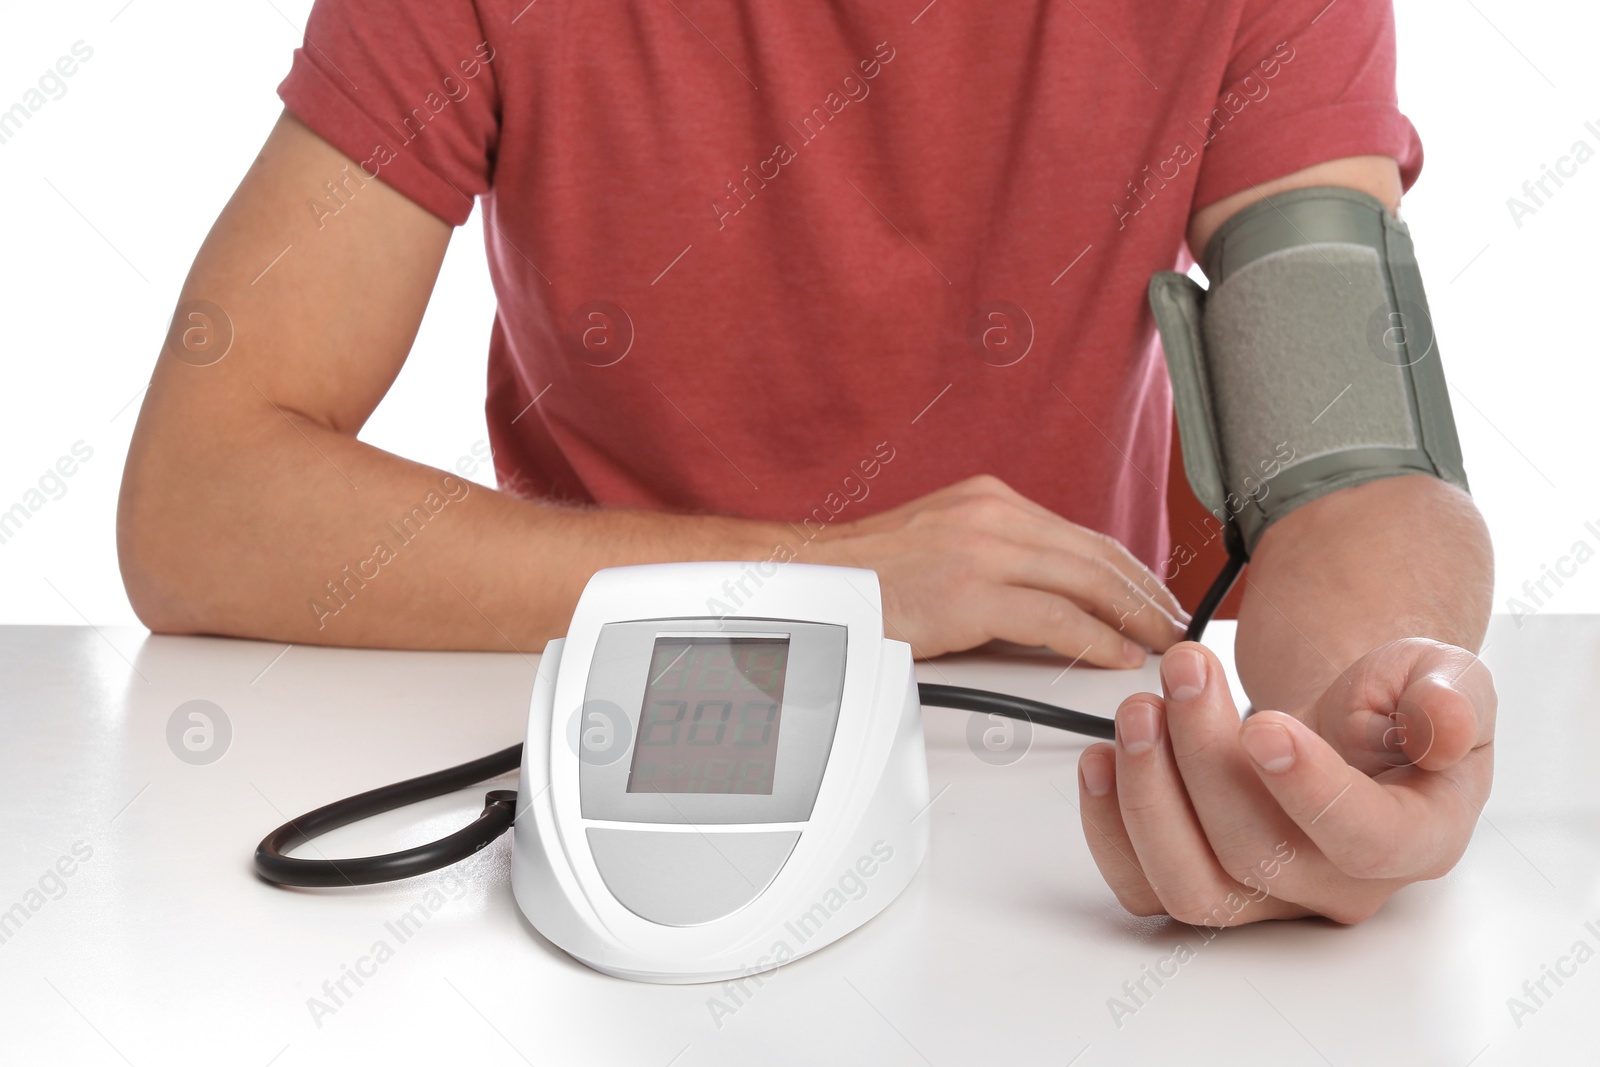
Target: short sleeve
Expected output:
[407,89]
[1307,81]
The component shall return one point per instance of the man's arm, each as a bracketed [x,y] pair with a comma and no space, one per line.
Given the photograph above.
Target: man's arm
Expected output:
[247,497]
[1395,558]
[1373,752]
[246,490]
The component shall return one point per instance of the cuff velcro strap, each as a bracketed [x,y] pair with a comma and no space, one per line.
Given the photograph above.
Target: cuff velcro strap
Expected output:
[1309,365]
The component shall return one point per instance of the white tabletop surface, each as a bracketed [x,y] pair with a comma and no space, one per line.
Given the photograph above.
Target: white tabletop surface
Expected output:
[161,947]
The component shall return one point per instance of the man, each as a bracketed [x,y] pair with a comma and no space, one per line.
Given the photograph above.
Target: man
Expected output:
[847,285]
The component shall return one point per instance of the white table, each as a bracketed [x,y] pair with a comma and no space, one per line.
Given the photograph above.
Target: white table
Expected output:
[161,947]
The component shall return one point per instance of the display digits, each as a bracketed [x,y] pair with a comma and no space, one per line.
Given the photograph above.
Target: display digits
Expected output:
[659,719]
[716,668]
[765,664]
[712,713]
[714,727]
[756,719]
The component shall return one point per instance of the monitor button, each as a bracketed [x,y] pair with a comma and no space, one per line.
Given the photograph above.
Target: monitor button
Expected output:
[684,878]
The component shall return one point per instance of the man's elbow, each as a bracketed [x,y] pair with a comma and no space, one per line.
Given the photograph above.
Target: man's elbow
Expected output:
[153,570]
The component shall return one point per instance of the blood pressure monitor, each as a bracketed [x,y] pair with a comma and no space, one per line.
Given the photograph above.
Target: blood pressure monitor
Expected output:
[724,770]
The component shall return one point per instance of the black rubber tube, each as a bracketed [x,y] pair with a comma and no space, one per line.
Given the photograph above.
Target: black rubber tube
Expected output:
[1014,707]
[499,810]
[1220,587]
[499,807]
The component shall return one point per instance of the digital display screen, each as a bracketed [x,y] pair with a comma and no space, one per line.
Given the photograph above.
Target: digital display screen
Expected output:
[711,714]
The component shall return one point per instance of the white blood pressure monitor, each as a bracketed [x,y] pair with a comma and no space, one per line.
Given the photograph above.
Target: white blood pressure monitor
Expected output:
[724,770]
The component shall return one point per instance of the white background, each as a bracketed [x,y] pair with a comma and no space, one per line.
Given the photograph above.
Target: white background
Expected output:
[109,190]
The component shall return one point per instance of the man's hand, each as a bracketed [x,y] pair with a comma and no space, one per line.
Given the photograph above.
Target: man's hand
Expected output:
[1359,615]
[1325,810]
[977,560]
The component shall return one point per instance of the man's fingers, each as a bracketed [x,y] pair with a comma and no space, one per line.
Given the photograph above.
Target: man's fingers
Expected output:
[1105,834]
[1034,617]
[1451,708]
[1434,723]
[1367,829]
[1239,817]
[1168,841]
[1117,554]
[1043,528]
[1410,701]
[1131,574]
[1095,586]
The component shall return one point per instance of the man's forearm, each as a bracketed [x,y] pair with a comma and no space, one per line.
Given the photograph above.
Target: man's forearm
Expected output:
[1399,557]
[292,531]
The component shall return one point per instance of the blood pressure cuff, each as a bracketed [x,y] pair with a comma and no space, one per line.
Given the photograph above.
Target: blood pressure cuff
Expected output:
[1308,365]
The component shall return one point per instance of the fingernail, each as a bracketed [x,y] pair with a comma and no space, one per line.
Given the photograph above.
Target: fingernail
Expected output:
[1137,727]
[1269,745]
[1096,774]
[1132,653]
[1183,672]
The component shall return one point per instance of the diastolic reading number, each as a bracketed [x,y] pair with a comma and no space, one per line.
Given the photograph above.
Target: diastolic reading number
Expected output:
[749,775]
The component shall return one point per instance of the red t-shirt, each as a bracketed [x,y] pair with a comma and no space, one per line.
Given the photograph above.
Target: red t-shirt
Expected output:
[807,261]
